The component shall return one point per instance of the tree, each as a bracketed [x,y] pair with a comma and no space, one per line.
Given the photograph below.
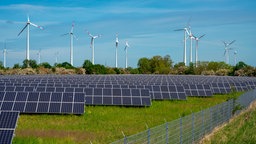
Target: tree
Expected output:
[191,69]
[45,65]
[144,66]
[88,66]
[29,63]
[1,65]
[16,66]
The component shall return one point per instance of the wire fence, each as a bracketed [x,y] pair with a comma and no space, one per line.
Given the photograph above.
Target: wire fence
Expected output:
[191,128]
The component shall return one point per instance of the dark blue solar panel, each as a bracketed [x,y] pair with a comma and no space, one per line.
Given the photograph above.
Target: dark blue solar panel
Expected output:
[42,107]
[19,106]
[9,96]
[45,96]
[33,96]
[67,97]
[8,119]
[56,97]
[31,107]
[66,108]
[6,136]
[7,106]
[54,107]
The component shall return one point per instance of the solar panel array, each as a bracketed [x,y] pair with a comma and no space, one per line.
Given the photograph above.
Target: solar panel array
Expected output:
[100,89]
[8,121]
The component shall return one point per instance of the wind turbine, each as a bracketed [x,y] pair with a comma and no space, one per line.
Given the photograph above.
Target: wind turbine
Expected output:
[4,52]
[126,48]
[197,39]
[28,29]
[116,47]
[189,32]
[185,49]
[92,44]
[39,56]
[235,57]
[71,33]
[56,57]
[226,53]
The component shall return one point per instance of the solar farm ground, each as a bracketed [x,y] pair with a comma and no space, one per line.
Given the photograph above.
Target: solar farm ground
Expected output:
[104,124]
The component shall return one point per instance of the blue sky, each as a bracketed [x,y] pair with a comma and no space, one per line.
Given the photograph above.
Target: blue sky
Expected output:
[148,25]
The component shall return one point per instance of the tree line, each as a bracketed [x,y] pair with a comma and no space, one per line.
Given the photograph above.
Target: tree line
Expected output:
[154,65]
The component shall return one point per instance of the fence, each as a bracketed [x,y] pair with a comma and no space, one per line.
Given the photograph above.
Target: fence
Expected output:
[191,128]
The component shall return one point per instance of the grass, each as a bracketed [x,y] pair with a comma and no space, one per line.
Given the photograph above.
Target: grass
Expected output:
[240,130]
[104,124]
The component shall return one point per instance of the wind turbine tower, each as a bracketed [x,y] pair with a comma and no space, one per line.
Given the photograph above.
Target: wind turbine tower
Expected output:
[235,57]
[28,29]
[227,48]
[56,57]
[189,32]
[5,52]
[92,44]
[185,45]
[71,33]
[126,50]
[116,47]
[197,39]
[39,56]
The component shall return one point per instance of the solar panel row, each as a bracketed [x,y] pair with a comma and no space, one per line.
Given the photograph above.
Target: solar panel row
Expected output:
[8,121]
[45,102]
[123,97]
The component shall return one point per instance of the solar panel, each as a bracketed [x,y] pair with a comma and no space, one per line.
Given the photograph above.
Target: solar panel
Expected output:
[8,122]
[167,92]
[43,102]
[197,90]
[117,96]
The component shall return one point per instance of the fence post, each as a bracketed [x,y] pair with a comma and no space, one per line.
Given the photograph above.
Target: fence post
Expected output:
[148,135]
[211,120]
[180,130]
[167,132]
[193,127]
[125,139]
[202,122]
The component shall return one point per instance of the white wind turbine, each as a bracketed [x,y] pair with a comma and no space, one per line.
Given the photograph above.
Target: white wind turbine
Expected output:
[197,39]
[28,29]
[116,47]
[227,48]
[126,50]
[235,57]
[189,32]
[56,57]
[185,45]
[92,44]
[39,56]
[4,52]
[71,33]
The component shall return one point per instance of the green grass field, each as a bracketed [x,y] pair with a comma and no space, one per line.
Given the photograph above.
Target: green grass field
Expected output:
[104,124]
[241,130]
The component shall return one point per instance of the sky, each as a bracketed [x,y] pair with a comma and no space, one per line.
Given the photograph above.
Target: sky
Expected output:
[147,25]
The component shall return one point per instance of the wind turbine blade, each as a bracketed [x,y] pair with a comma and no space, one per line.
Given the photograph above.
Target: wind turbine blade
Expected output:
[179,30]
[225,52]
[232,42]
[90,34]
[37,26]
[91,41]
[72,28]
[65,34]
[201,36]
[75,37]
[224,43]
[23,29]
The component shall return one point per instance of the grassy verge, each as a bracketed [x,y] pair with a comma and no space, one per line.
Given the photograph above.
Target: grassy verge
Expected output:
[104,124]
[241,129]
